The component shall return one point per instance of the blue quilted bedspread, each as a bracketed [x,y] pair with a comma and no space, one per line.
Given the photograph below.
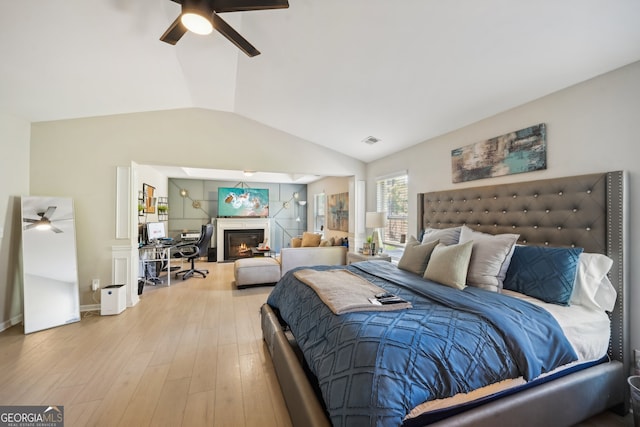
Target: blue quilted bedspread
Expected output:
[374,367]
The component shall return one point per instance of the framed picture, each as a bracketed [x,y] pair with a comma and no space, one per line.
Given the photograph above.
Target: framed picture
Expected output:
[149,200]
[524,150]
[338,207]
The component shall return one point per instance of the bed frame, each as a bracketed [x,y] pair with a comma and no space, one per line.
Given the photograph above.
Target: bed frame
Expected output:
[587,211]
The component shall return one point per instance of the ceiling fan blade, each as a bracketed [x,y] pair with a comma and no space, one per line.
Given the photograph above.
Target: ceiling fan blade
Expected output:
[233,36]
[55,229]
[29,227]
[49,212]
[244,5]
[174,33]
[30,220]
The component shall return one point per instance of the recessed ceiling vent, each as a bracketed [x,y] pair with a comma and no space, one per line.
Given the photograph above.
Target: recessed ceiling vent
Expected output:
[371,140]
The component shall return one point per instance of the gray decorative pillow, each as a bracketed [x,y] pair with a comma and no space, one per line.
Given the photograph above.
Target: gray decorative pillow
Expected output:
[449,264]
[490,258]
[416,256]
[447,236]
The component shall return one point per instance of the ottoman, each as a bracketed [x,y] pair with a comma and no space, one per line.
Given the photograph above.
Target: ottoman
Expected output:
[256,271]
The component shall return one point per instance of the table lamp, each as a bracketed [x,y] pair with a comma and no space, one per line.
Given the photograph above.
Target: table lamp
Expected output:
[375,220]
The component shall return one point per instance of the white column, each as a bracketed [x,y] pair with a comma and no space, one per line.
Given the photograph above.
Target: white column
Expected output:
[124,270]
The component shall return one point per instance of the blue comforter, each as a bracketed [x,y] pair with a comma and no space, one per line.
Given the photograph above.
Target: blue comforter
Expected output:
[374,367]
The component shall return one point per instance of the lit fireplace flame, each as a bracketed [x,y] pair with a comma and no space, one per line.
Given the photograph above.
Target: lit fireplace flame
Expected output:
[243,248]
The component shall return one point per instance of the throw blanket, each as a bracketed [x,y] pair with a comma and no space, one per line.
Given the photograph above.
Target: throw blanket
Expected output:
[374,367]
[345,292]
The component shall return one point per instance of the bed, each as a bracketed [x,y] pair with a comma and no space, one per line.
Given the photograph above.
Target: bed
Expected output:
[576,212]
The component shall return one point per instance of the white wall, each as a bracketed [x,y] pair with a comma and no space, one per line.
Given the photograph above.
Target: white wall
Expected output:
[14,182]
[78,158]
[591,127]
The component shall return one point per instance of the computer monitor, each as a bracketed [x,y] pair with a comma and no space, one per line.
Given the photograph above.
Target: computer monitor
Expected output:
[155,231]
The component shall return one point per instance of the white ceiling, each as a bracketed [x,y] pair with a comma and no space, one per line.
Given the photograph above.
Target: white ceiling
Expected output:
[331,71]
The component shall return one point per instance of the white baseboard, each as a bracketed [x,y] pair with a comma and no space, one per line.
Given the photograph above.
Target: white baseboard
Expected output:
[90,307]
[18,319]
[11,322]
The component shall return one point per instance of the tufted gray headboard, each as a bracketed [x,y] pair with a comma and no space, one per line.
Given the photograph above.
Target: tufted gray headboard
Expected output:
[585,211]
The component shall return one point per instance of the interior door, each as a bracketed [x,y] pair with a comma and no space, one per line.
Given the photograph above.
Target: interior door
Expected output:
[50,268]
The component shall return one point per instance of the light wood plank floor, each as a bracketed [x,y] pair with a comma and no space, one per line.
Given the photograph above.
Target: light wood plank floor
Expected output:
[187,355]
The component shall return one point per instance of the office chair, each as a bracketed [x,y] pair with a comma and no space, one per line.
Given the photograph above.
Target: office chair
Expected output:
[196,250]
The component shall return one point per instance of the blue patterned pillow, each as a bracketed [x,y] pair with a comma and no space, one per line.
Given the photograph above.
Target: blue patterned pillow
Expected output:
[544,273]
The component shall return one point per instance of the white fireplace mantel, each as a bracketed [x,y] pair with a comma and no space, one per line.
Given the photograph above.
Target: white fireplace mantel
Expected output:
[223,224]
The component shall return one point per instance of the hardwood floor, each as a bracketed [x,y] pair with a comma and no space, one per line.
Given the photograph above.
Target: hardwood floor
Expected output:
[187,355]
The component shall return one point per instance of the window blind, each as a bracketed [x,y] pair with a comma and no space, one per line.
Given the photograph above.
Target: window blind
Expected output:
[392,198]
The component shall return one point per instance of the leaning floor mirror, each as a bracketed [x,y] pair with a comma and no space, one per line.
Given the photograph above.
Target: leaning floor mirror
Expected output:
[49,263]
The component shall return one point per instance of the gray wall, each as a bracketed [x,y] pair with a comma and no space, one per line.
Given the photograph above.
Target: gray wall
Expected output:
[183,216]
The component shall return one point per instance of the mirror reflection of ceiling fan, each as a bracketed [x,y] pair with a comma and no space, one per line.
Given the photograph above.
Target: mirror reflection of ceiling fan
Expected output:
[44,222]
[201,17]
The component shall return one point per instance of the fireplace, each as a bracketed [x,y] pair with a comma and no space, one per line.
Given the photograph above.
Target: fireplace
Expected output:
[240,225]
[238,243]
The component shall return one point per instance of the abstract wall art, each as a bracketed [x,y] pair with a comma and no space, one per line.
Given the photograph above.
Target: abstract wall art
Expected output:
[338,212]
[521,151]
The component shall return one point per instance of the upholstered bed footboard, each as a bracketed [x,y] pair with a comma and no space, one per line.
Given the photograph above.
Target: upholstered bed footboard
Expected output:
[302,402]
[561,402]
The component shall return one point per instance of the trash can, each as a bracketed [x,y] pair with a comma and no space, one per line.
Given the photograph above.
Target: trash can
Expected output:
[634,384]
[113,300]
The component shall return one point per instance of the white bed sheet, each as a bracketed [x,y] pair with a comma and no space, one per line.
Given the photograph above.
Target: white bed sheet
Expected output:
[587,330]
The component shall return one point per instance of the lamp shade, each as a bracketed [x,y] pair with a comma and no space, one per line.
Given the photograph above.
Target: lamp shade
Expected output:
[374,220]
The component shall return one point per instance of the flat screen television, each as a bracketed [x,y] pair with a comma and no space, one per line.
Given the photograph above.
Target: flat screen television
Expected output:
[243,202]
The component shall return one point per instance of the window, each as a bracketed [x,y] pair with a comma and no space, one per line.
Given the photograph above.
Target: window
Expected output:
[319,212]
[392,198]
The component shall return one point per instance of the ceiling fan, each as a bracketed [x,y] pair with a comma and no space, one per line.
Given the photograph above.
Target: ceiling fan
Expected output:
[44,222]
[201,17]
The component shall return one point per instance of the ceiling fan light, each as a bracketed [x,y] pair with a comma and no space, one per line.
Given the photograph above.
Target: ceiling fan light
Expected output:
[43,226]
[197,23]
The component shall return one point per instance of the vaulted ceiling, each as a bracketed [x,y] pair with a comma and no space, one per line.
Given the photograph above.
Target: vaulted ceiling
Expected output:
[333,72]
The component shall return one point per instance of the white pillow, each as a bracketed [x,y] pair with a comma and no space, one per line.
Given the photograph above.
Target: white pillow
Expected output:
[490,258]
[606,295]
[592,287]
[447,236]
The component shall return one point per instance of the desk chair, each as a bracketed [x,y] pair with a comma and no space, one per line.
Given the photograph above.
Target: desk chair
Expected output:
[196,250]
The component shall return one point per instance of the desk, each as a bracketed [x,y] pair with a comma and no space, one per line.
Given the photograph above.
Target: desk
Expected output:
[154,259]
